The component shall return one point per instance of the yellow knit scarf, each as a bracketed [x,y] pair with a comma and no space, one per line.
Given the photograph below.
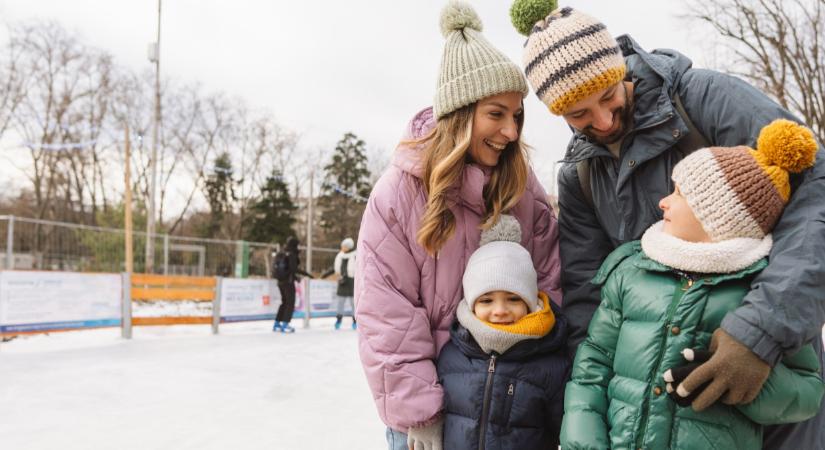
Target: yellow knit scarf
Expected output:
[538,323]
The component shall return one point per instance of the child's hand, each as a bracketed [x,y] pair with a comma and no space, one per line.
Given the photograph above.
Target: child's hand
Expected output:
[675,376]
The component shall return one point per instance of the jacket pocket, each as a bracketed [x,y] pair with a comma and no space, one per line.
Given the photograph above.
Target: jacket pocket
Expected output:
[503,400]
[622,420]
[699,435]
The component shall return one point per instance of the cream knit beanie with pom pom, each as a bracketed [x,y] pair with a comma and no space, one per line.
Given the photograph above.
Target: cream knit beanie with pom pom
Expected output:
[471,68]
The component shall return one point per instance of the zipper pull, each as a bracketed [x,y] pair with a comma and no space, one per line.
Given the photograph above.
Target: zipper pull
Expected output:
[510,390]
[492,367]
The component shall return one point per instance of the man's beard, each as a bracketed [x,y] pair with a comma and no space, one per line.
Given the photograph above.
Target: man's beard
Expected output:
[623,114]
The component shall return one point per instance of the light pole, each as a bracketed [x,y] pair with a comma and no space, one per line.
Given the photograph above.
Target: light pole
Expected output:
[154,56]
[308,305]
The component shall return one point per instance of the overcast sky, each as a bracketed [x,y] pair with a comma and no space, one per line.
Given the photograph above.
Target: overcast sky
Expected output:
[327,67]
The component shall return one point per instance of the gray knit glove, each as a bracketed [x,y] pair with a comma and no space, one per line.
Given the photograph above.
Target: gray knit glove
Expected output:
[430,437]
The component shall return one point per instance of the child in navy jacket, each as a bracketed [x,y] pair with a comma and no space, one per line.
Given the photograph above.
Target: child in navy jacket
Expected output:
[505,367]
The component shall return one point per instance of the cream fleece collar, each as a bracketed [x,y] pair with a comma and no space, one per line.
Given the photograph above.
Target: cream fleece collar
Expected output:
[728,256]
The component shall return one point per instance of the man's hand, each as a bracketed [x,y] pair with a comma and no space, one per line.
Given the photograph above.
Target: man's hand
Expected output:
[733,371]
[674,376]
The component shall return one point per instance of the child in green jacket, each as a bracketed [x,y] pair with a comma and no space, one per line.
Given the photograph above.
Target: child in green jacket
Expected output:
[664,297]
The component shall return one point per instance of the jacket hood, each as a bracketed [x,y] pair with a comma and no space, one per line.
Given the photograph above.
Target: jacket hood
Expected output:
[554,341]
[407,155]
[655,76]
[292,244]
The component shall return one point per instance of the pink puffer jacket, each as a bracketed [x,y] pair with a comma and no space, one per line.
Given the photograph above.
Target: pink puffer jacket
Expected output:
[406,300]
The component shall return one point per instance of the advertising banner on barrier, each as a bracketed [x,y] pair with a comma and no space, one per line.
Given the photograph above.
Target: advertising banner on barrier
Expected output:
[322,299]
[43,301]
[249,299]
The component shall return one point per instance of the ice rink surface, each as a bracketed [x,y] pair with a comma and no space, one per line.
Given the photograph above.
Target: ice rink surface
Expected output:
[182,388]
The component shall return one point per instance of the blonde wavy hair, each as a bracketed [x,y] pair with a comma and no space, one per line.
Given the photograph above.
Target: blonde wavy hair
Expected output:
[445,155]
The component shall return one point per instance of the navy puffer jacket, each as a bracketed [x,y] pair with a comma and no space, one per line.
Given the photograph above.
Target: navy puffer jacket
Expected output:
[521,391]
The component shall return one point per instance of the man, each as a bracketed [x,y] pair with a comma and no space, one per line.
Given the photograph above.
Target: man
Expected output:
[634,115]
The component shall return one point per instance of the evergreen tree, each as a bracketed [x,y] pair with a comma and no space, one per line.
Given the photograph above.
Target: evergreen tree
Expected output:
[220,192]
[345,190]
[272,214]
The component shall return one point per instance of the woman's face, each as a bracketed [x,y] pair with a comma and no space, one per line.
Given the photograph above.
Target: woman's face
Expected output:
[500,307]
[495,124]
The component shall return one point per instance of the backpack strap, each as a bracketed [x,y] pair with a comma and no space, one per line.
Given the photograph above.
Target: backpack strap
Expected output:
[687,145]
[583,171]
[694,140]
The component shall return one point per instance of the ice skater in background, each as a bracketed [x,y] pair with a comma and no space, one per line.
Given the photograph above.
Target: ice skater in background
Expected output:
[285,268]
[344,267]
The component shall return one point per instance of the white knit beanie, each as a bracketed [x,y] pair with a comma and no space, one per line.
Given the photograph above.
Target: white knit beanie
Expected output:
[348,243]
[471,68]
[501,264]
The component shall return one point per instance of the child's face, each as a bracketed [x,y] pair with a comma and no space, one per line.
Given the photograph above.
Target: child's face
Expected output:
[500,307]
[680,220]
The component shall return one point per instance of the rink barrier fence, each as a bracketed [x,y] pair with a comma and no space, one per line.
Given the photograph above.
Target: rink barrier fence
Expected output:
[253,299]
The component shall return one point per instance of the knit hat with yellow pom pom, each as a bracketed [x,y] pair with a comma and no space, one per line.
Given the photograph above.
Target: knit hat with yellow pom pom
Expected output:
[738,192]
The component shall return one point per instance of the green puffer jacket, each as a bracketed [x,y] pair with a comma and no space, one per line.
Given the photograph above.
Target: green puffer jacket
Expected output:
[648,314]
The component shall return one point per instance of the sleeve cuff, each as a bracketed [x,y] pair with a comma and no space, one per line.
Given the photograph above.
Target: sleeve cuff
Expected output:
[752,337]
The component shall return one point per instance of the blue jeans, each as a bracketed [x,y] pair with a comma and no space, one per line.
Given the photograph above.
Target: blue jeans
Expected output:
[396,440]
[342,303]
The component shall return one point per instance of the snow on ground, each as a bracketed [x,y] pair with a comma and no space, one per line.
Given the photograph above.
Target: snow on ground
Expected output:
[182,388]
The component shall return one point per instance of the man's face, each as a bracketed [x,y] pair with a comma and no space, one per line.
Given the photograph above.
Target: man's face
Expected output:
[605,116]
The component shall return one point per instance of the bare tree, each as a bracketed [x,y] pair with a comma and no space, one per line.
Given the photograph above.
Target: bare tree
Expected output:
[12,88]
[778,46]
[60,116]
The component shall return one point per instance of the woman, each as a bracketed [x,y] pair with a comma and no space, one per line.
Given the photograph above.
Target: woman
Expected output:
[460,167]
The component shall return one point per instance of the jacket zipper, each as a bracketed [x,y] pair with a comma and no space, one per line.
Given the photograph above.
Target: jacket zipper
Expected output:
[485,406]
[684,286]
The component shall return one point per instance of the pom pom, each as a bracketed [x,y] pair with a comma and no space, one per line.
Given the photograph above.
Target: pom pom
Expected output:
[457,16]
[788,145]
[525,13]
[506,229]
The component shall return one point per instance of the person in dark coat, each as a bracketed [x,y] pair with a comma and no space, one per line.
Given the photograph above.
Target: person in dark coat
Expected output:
[635,115]
[286,284]
[505,367]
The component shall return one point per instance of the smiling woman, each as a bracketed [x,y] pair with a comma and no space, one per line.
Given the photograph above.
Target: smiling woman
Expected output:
[497,122]
[460,167]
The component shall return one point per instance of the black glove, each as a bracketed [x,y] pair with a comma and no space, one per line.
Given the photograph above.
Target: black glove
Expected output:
[674,376]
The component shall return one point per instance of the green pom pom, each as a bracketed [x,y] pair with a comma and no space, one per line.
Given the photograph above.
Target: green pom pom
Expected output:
[458,16]
[525,13]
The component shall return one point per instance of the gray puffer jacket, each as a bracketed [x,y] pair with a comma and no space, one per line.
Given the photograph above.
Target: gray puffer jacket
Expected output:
[786,307]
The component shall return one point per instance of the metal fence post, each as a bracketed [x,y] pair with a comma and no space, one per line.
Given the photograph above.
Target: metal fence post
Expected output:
[166,254]
[126,320]
[10,244]
[216,306]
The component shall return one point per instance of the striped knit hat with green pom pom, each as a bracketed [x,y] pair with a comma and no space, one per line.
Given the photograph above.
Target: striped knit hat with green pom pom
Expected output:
[568,55]
[739,192]
[471,68]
